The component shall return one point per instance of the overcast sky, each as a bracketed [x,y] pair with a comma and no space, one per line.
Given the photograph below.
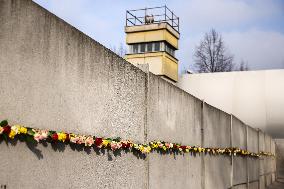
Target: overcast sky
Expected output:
[253,30]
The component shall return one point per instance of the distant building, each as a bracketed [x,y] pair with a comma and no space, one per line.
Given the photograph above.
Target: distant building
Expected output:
[255,97]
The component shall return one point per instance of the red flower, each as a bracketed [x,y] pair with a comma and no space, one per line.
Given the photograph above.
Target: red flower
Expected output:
[54,136]
[183,147]
[67,137]
[126,145]
[98,141]
[7,129]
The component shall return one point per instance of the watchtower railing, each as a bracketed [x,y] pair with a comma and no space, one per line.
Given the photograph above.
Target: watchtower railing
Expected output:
[152,15]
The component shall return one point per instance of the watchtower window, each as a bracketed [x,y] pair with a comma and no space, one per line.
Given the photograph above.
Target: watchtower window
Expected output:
[134,48]
[142,47]
[169,49]
[151,47]
[157,46]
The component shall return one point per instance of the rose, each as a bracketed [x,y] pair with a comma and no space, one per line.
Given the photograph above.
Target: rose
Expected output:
[183,147]
[7,129]
[99,142]
[89,141]
[62,136]
[125,144]
[73,138]
[113,145]
[67,137]
[81,139]
[23,130]
[12,134]
[54,136]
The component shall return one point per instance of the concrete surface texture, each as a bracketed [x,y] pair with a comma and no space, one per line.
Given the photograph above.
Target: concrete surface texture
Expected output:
[280,159]
[55,77]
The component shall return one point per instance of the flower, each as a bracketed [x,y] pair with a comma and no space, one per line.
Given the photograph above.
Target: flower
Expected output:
[73,138]
[115,145]
[89,141]
[105,142]
[12,134]
[16,129]
[23,130]
[98,142]
[62,136]
[54,136]
[40,134]
[1,130]
[125,144]
[7,129]
[144,149]
[81,139]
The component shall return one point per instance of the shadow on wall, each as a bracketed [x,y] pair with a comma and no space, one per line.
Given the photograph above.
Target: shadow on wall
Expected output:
[60,147]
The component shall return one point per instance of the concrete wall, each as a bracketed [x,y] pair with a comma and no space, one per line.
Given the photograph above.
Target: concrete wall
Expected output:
[55,77]
[280,158]
[216,133]
[239,139]
[173,115]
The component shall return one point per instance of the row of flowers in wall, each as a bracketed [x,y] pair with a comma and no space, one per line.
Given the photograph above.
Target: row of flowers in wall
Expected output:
[38,135]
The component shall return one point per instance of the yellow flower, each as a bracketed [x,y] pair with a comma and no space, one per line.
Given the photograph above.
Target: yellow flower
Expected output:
[15,128]
[61,136]
[141,148]
[23,130]
[106,142]
[164,148]
[199,149]
[12,134]
[147,149]
[1,130]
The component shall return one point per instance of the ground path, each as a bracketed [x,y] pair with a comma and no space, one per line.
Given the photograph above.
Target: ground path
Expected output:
[279,184]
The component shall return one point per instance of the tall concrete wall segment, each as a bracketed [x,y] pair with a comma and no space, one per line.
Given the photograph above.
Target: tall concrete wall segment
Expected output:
[216,133]
[239,139]
[52,76]
[280,158]
[173,115]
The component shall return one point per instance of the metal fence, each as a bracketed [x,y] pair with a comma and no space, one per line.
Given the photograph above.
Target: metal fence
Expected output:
[152,15]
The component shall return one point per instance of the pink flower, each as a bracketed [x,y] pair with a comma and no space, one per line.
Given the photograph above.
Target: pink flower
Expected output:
[89,141]
[115,145]
[81,139]
[37,137]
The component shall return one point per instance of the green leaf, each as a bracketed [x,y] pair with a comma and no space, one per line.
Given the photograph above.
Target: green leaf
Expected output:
[5,137]
[30,139]
[3,123]
[30,132]
[118,139]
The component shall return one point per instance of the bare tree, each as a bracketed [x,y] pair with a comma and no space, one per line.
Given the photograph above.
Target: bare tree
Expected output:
[121,50]
[243,66]
[211,54]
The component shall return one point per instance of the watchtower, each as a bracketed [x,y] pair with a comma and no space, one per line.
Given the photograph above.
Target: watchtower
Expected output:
[152,36]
